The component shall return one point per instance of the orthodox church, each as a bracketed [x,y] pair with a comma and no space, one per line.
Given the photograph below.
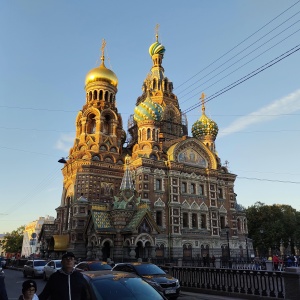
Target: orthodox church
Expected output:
[152,191]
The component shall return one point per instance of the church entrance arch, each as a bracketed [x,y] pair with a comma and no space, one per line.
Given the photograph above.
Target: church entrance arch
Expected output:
[143,251]
[106,251]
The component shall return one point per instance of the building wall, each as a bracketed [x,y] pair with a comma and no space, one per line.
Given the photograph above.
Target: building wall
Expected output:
[30,245]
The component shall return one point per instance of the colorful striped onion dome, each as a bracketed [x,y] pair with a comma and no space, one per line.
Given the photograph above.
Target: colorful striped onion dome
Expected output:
[148,110]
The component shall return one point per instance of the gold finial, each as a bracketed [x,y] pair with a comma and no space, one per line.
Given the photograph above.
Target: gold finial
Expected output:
[202,101]
[156,31]
[127,159]
[102,49]
[148,82]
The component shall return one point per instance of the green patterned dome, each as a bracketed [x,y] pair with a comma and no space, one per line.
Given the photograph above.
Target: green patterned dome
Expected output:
[204,127]
[156,48]
[148,110]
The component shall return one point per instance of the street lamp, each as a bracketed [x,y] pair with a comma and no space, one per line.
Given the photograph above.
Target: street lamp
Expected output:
[247,249]
[262,243]
[228,248]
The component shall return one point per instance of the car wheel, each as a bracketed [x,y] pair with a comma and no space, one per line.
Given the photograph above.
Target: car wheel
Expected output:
[24,274]
[44,277]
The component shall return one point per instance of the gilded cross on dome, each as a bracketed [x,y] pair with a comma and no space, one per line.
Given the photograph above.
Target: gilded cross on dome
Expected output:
[102,49]
[156,31]
[202,101]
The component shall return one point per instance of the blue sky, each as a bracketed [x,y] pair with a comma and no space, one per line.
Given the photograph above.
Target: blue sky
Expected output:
[47,48]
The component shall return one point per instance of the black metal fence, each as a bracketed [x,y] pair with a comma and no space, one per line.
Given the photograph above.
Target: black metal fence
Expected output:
[247,282]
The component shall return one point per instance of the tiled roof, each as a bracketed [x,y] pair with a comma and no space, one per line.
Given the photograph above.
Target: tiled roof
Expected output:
[101,220]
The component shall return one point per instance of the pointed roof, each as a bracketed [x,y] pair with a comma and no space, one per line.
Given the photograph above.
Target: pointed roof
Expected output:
[127,183]
[138,217]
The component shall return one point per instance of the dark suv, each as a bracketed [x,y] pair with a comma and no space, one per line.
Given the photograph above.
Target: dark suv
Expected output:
[34,268]
[154,275]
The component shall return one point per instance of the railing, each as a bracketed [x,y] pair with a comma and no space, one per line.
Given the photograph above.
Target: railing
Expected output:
[249,282]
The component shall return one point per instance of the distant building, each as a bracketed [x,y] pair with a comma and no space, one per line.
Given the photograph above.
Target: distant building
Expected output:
[155,192]
[2,252]
[31,233]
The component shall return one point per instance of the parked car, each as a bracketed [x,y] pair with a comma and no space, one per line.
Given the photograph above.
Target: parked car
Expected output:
[108,285]
[154,275]
[1,272]
[51,267]
[34,268]
[92,266]
[2,263]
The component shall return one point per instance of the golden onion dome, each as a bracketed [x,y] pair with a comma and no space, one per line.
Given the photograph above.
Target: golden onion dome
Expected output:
[101,73]
[204,127]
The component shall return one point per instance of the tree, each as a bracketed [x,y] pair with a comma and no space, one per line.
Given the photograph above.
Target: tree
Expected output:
[271,225]
[12,242]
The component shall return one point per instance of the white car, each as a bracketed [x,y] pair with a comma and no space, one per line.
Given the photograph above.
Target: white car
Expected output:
[34,268]
[51,267]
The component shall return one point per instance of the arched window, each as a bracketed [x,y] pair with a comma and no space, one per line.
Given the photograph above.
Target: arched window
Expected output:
[185,219]
[154,84]
[194,221]
[106,124]
[222,222]
[95,95]
[203,220]
[101,95]
[148,134]
[160,251]
[91,125]
[187,251]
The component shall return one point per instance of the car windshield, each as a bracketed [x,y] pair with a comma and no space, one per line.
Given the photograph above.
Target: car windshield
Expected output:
[58,264]
[39,263]
[124,288]
[99,266]
[147,269]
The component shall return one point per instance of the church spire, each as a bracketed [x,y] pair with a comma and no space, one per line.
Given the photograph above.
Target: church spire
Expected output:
[127,183]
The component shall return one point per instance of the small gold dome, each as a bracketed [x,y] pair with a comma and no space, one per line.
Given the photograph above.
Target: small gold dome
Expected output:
[101,73]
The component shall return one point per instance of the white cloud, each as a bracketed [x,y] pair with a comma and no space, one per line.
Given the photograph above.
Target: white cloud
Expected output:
[285,105]
[65,142]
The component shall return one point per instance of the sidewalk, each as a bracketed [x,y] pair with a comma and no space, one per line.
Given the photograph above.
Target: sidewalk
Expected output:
[200,296]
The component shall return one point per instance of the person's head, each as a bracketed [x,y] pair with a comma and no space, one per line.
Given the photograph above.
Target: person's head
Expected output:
[29,288]
[68,261]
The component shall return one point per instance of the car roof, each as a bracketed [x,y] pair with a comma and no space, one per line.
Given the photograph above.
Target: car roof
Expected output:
[108,274]
[36,260]
[135,263]
[93,262]
[55,260]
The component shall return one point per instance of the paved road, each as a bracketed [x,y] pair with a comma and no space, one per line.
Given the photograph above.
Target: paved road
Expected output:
[14,280]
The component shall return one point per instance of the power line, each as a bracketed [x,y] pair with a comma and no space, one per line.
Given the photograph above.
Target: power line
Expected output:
[260,54]
[22,150]
[39,109]
[247,77]
[240,43]
[270,180]
[34,129]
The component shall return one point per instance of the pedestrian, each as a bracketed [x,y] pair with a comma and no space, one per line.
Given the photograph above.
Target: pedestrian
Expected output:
[3,293]
[29,289]
[66,283]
